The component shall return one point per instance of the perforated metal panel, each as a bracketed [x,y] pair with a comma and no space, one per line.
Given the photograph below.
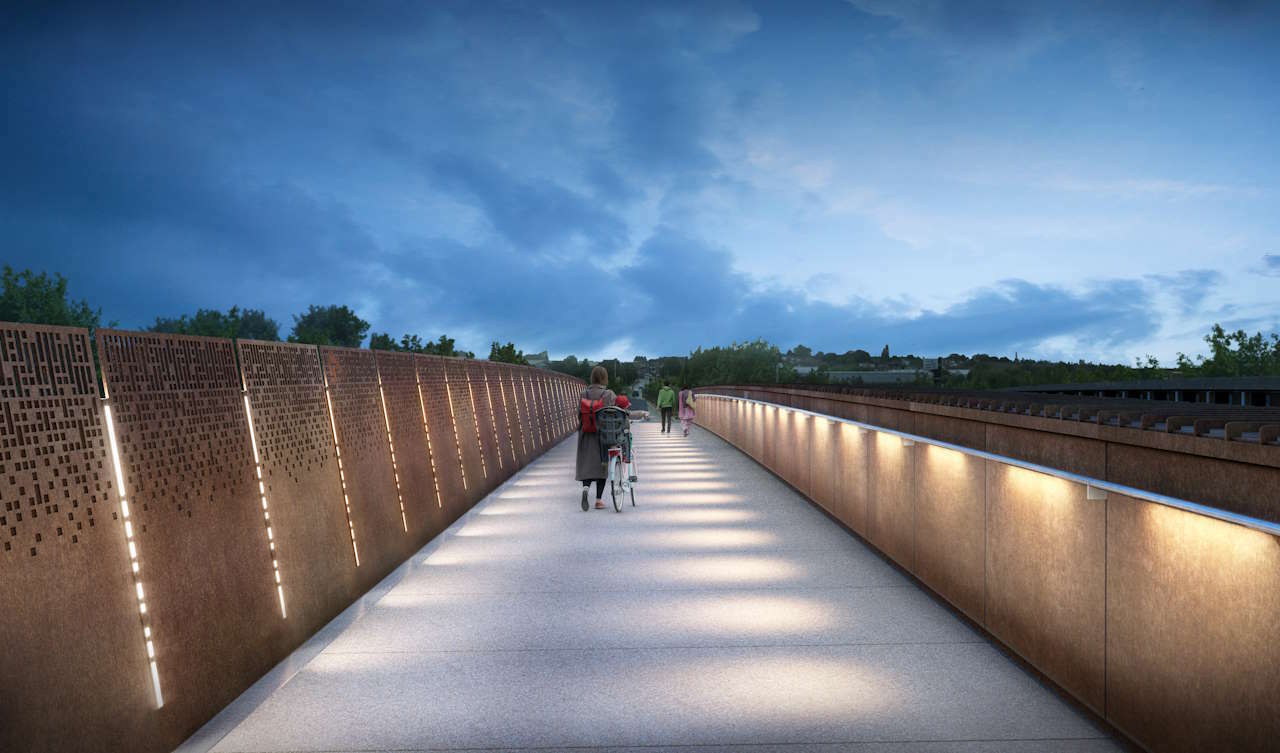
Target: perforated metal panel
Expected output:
[486,423]
[197,521]
[70,634]
[380,525]
[464,421]
[444,439]
[300,475]
[414,454]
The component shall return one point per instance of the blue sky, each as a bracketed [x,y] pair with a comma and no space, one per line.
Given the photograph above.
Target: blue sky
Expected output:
[1076,180]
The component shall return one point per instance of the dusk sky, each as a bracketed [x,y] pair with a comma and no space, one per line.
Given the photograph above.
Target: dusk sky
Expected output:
[1077,180]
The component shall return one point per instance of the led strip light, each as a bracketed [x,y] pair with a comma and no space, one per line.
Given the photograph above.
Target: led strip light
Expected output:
[529,420]
[457,443]
[502,392]
[493,422]
[395,471]
[133,557]
[475,419]
[342,475]
[515,398]
[431,458]
[266,514]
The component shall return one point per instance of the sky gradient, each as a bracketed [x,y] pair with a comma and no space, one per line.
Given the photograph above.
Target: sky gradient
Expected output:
[1084,180]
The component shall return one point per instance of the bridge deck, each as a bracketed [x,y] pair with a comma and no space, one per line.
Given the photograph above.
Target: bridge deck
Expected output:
[724,610]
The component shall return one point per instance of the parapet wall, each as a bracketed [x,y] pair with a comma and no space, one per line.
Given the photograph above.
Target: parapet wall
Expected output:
[1161,620]
[166,544]
[1242,477]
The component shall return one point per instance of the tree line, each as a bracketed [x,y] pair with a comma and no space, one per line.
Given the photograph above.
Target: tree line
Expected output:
[42,299]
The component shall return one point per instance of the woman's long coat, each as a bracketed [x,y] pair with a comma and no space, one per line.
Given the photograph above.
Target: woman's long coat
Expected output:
[591,461]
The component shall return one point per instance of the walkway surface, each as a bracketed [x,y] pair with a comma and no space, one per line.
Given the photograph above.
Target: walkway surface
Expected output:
[723,611]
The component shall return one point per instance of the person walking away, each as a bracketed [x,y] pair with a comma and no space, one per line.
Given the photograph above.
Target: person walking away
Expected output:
[591,460]
[686,409]
[666,401]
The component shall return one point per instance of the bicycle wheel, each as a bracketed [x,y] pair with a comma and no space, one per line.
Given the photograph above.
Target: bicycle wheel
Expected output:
[614,484]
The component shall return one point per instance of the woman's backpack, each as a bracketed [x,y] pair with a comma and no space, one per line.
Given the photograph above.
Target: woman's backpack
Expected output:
[587,411]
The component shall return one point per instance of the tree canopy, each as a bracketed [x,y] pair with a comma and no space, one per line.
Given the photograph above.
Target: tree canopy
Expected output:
[236,323]
[329,325]
[507,354]
[444,346]
[40,299]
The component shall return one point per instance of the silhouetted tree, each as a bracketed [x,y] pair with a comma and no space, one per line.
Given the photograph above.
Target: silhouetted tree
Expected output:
[251,324]
[329,325]
[39,299]
[507,354]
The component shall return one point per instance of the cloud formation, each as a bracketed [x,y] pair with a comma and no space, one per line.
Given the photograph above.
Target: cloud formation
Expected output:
[939,176]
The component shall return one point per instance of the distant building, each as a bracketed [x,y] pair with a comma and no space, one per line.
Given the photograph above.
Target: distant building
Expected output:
[539,360]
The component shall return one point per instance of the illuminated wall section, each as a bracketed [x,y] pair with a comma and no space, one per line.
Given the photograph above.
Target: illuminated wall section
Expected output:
[285,390]
[464,424]
[445,449]
[501,428]
[511,398]
[195,512]
[519,412]
[406,418]
[361,447]
[74,661]
[486,424]
[480,424]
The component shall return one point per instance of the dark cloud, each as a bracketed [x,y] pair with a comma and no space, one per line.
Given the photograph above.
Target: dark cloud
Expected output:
[1271,264]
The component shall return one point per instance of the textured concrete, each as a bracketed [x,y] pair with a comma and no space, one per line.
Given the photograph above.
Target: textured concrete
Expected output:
[724,610]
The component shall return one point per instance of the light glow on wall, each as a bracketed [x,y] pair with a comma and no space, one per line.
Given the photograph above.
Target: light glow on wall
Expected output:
[342,475]
[431,458]
[493,421]
[475,419]
[502,392]
[134,567]
[453,421]
[266,514]
[395,470]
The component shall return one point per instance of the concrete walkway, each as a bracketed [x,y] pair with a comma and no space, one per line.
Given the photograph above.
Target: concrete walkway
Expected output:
[723,611]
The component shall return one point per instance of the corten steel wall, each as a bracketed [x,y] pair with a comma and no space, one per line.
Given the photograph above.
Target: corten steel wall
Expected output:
[229,541]
[70,629]
[1211,471]
[364,460]
[1164,621]
[197,520]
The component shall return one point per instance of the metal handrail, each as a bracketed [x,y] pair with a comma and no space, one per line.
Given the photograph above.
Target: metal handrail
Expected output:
[1257,524]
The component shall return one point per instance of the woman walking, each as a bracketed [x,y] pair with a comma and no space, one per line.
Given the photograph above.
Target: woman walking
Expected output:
[686,408]
[591,461]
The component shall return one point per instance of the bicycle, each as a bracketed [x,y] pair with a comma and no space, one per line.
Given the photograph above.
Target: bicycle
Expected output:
[614,427]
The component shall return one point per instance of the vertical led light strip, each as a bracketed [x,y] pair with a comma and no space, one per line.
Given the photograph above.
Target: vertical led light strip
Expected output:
[266,514]
[431,457]
[515,399]
[395,470]
[342,474]
[457,443]
[529,417]
[493,421]
[143,617]
[502,392]
[475,419]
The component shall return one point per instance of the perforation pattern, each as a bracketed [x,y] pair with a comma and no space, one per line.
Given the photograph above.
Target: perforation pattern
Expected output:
[55,479]
[444,440]
[289,414]
[406,416]
[180,423]
[465,423]
[486,426]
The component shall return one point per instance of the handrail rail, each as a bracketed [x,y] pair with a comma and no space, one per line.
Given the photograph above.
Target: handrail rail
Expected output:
[1257,524]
